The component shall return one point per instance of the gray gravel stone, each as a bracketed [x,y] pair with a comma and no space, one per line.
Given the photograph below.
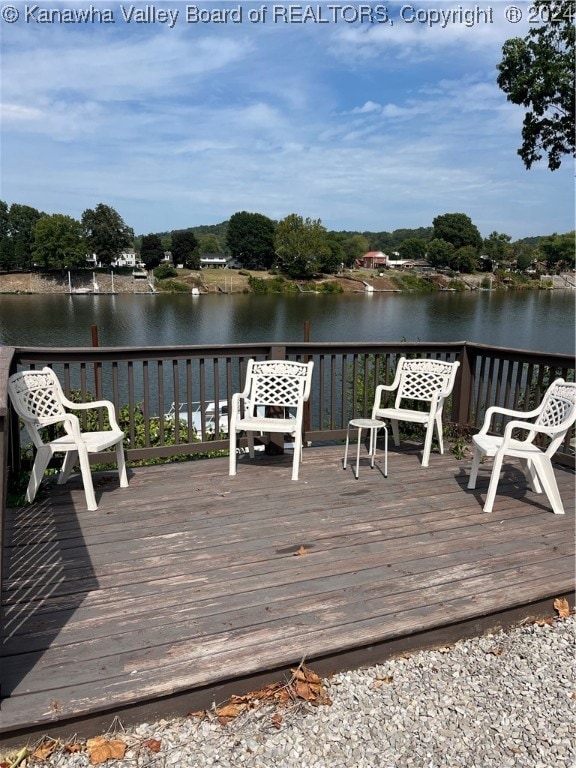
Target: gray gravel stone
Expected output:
[505,701]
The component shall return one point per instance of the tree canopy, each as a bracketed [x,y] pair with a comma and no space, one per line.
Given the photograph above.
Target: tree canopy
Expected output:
[106,233]
[301,246]
[537,72]
[151,251]
[184,248]
[59,242]
[458,230]
[250,239]
[17,232]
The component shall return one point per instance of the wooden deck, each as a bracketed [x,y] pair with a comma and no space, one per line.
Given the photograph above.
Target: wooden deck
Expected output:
[188,585]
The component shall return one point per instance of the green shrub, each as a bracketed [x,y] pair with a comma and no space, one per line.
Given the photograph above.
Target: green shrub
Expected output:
[164,271]
[172,286]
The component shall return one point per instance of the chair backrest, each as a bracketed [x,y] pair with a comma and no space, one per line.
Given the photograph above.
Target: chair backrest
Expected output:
[36,395]
[557,412]
[283,383]
[421,379]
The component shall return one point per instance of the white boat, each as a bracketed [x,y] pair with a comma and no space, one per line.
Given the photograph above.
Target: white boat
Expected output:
[210,414]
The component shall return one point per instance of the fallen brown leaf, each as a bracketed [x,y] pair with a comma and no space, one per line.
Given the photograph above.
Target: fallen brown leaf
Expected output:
[562,607]
[277,720]
[496,651]
[44,751]
[153,745]
[100,750]
[301,551]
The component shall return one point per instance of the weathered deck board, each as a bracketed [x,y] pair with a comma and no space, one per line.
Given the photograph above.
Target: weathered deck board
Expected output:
[189,579]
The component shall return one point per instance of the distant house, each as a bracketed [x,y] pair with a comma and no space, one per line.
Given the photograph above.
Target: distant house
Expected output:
[217,260]
[374,260]
[128,258]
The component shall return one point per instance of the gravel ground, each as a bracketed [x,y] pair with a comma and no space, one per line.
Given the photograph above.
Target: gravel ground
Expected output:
[498,701]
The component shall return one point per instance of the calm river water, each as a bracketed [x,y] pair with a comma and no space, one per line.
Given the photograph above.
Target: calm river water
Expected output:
[535,320]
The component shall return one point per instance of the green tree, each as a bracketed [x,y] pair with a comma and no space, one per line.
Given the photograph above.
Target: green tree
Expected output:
[558,250]
[151,251]
[21,222]
[439,253]
[5,242]
[301,246]
[465,260]
[457,229]
[355,246]
[537,72]
[412,248]
[209,243]
[59,242]
[184,247]
[106,233]
[250,239]
[331,262]
[497,248]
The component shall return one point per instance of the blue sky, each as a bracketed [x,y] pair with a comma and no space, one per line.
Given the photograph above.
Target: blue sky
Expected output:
[366,126]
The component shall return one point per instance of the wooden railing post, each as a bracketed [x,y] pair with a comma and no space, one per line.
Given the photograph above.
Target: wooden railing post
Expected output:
[463,389]
[6,360]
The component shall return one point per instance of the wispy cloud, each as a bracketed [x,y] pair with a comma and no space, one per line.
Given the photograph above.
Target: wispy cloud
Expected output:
[370,128]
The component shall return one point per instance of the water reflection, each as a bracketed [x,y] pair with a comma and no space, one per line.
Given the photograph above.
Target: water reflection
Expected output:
[537,320]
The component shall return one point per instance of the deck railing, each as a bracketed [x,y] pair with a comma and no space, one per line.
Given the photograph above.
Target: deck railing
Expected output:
[145,384]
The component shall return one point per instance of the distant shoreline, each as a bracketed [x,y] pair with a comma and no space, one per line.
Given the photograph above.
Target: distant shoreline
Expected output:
[231,281]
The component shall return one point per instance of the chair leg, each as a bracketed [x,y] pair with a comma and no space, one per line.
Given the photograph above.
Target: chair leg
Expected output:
[494,478]
[395,432]
[87,479]
[438,422]
[427,445]
[40,463]
[543,467]
[250,438]
[70,459]
[531,475]
[121,462]
[474,470]
[232,460]
[297,455]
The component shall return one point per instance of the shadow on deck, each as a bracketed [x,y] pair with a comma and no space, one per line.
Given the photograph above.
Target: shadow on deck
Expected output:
[189,586]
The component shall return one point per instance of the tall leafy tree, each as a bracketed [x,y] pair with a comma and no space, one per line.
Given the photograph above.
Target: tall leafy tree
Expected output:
[301,246]
[537,72]
[439,252]
[497,248]
[457,229]
[412,248]
[209,243]
[250,239]
[151,251]
[106,233]
[184,247]
[59,242]
[21,222]
[558,250]
[355,246]
[5,242]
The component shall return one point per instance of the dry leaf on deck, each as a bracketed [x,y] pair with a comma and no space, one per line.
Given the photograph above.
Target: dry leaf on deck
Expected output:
[301,551]
[230,710]
[562,607]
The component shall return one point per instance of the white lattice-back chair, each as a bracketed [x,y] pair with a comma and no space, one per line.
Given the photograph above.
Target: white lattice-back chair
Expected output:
[424,381]
[281,383]
[553,418]
[39,401]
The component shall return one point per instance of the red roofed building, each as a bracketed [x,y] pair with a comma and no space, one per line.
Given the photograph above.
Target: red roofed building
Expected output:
[375,260]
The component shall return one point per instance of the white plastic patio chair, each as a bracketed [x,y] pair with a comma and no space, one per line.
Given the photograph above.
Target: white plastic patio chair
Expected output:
[39,401]
[420,380]
[552,419]
[282,383]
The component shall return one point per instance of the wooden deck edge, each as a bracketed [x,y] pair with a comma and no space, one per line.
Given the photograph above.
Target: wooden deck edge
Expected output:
[181,703]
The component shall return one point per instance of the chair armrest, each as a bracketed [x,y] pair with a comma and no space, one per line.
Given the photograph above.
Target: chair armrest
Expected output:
[495,409]
[526,426]
[69,420]
[97,404]
[379,391]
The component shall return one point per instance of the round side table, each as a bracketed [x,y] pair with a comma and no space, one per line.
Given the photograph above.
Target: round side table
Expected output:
[372,425]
